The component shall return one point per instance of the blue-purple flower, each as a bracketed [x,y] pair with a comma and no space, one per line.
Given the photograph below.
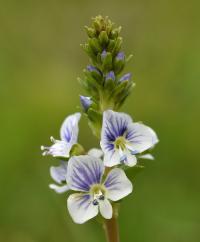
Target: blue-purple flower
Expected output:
[68,134]
[122,139]
[85,175]
[58,174]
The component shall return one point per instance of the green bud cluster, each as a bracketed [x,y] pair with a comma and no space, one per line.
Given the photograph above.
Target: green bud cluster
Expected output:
[102,79]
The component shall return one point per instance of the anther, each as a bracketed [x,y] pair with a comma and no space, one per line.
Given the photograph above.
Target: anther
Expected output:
[101,197]
[95,202]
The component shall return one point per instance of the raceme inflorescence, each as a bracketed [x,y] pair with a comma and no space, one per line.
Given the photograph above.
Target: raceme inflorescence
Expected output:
[96,180]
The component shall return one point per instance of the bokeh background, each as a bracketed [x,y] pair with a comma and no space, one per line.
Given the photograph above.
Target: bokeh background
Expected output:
[40,60]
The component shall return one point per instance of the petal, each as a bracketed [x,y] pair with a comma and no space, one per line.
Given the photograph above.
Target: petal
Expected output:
[140,137]
[117,184]
[59,189]
[114,125]
[83,171]
[130,160]
[112,158]
[105,209]
[58,149]
[147,156]
[69,129]
[98,153]
[58,173]
[81,208]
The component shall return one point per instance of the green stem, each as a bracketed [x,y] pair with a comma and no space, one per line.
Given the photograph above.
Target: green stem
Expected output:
[112,230]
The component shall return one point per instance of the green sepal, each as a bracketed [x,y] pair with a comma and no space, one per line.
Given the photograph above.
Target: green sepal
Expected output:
[120,88]
[118,65]
[111,45]
[89,85]
[95,121]
[103,38]
[115,32]
[109,85]
[94,45]
[94,75]
[77,149]
[107,62]
[87,48]
[90,32]
[117,47]
[129,58]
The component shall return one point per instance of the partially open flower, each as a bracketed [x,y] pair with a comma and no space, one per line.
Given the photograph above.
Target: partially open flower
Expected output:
[84,175]
[121,139]
[85,102]
[69,135]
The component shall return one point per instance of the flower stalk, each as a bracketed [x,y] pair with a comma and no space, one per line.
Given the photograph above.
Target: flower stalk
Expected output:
[111,227]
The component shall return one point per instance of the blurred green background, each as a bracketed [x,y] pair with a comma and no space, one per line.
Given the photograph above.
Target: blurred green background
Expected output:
[40,59]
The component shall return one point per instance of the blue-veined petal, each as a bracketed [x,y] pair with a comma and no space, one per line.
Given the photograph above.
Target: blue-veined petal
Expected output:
[69,129]
[81,208]
[83,171]
[117,184]
[112,158]
[140,137]
[105,209]
[114,125]
[59,173]
[59,189]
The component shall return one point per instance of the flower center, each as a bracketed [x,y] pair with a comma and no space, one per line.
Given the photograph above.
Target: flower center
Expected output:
[120,142]
[97,192]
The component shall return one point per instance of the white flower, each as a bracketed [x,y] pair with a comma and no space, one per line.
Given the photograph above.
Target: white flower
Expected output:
[68,134]
[58,173]
[84,175]
[121,139]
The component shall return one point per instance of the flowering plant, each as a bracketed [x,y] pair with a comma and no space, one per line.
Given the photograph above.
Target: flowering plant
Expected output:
[98,177]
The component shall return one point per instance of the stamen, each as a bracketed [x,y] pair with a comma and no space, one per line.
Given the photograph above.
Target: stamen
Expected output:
[101,197]
[95,202]
[52,139]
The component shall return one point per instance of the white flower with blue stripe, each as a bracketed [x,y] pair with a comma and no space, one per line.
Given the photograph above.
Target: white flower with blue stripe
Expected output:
[122,139]
[94,193]
[68,134]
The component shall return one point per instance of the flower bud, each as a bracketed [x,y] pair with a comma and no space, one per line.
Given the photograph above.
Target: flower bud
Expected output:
[125,77]
[103,38]
[95,73]
[110,76]
[106,59]
[85,102]
[119,62]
